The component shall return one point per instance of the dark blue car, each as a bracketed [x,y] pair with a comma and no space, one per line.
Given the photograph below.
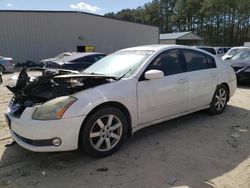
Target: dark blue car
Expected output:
[75,61]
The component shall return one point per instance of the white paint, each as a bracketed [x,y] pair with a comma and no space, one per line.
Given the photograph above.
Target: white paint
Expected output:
[148,101]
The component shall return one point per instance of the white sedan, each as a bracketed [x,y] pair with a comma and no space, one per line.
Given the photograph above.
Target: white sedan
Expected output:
[128,90]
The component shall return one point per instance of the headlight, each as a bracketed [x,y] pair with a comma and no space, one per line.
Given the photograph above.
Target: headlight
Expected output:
[53,109]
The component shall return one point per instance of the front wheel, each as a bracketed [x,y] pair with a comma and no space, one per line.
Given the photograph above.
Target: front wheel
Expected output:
[104,132]
[219,101]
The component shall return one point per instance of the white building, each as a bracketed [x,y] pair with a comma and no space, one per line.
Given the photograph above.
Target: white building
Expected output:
[35,35]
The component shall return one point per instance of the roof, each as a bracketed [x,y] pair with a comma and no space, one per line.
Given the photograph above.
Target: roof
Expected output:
[159,47]
[71,12]
[155,47]
[189,35]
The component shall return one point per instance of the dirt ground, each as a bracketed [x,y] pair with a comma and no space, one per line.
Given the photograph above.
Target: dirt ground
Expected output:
[197,150]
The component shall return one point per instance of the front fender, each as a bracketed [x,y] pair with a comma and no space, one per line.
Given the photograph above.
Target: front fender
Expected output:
[123,91]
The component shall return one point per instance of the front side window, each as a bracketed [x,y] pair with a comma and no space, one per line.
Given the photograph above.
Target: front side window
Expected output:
[168,62]
[197,60]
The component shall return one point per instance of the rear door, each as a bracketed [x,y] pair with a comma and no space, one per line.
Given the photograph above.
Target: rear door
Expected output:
[202,78]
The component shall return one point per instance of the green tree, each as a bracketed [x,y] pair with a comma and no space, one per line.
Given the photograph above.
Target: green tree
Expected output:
[219,22]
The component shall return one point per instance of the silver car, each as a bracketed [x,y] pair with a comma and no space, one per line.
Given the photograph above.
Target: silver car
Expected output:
[6,64]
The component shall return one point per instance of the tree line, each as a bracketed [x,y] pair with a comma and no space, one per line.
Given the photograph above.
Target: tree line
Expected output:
[219,22]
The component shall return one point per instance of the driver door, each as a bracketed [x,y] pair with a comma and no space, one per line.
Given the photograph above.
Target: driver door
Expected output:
[167,96]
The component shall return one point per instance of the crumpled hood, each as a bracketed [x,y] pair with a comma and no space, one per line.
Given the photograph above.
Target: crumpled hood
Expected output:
[52,84]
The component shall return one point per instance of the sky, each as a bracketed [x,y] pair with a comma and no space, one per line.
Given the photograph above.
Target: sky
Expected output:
[92,6]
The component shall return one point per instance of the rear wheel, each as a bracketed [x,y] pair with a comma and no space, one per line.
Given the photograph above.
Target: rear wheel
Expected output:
[220,100]
[104,132]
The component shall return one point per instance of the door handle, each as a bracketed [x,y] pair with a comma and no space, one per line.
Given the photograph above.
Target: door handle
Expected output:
[213,74]
[182,81]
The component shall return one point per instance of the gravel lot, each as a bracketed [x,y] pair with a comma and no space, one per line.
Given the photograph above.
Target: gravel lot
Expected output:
[197,150]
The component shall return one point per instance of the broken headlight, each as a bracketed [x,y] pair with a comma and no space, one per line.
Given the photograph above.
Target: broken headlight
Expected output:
[53,109]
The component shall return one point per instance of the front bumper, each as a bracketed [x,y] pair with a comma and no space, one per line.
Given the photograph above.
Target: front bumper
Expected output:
[37,135]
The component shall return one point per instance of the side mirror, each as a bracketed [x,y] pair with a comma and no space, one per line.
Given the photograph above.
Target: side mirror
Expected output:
[153,74]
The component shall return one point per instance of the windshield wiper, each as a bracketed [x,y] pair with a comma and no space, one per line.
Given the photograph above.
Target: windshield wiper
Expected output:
[122,76]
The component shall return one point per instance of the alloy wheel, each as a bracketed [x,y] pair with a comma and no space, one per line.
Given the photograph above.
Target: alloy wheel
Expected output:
[220,99]
[106,132]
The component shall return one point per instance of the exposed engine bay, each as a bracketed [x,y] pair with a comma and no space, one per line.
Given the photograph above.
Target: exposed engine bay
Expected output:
[53,83]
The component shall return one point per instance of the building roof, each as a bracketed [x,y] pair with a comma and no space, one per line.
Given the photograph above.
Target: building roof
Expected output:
[77,12]
[188,35]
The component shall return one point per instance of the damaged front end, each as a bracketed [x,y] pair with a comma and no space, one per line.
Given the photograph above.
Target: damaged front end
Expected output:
[53,83]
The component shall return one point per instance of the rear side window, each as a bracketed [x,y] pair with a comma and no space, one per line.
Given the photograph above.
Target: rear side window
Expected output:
[198,61]
[168,62]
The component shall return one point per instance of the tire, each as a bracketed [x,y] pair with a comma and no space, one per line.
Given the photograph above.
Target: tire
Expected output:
[104,132]
[219,101]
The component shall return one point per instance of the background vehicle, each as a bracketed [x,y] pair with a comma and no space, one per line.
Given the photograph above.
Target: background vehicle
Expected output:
[28,63]
[115,97]
[59,56]
[241,65]
[220,51]
[232,52]
[6,64]
[74,61]
[208,49]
